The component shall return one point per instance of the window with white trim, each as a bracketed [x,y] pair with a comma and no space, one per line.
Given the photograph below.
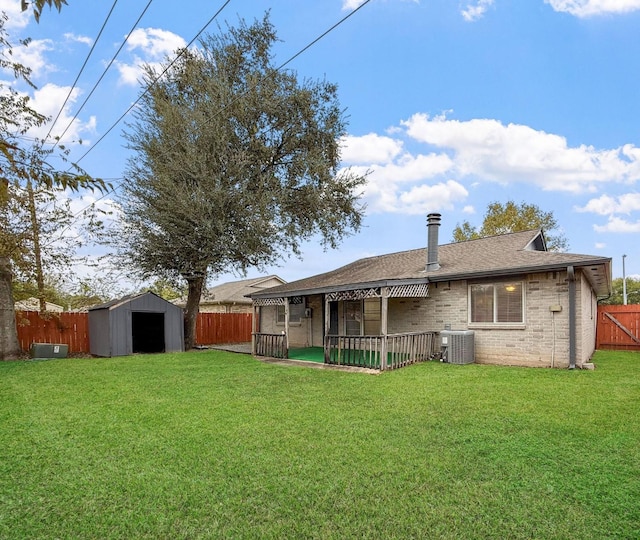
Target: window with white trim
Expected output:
[496,303]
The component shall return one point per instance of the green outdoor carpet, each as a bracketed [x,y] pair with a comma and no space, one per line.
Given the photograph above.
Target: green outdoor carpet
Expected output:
[310,354]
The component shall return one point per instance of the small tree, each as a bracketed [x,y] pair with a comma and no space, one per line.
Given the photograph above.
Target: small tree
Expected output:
[22,170]
[617,292]
[236,163]
[511,217]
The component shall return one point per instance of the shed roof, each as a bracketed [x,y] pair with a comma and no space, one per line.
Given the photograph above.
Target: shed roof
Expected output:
[112,304]
[508,254]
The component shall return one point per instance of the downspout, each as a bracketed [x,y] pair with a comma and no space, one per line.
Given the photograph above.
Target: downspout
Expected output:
[572,317]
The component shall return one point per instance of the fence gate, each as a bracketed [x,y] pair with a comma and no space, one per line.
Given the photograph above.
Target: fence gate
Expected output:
[618,328]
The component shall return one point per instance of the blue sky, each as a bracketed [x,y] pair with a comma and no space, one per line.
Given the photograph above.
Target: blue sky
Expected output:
[451,105]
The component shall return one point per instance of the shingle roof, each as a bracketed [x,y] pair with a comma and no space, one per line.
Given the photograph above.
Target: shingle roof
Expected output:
[503,255]
[236,291]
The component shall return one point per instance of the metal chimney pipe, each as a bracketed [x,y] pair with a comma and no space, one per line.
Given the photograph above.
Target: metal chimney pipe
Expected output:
[433,222]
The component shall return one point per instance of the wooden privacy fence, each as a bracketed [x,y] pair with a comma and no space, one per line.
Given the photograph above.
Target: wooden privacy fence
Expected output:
[214,328]
[69,328]
[618,328]
[73,329]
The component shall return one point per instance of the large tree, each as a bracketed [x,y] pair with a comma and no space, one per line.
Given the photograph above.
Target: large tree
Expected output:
[235,164]
[511,217]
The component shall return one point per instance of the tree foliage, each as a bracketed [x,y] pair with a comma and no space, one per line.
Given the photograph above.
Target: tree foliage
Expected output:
[617,292]
[512,217]
[236,163]
[38,6]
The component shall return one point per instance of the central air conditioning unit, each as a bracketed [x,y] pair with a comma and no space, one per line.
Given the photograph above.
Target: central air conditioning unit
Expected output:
[458,346]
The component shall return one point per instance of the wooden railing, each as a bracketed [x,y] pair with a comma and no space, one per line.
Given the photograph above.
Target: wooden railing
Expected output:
[272,345]
[380,352]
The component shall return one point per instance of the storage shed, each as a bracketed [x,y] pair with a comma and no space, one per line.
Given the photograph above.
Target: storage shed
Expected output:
[142,323]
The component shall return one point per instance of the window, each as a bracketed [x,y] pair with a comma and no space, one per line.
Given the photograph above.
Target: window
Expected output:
[352,317]
[362,317]
[499,303]
[296,313]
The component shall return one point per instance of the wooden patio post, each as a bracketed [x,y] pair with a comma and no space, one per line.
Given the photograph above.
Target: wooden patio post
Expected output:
[286,326]
[383,326]
[327,324]
[254,327]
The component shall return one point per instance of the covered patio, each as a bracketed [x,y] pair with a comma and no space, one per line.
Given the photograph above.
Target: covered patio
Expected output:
[354,328]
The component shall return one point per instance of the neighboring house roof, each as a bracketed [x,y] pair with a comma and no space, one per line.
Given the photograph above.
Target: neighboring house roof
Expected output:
[503,255]
[236,292]
[33,304]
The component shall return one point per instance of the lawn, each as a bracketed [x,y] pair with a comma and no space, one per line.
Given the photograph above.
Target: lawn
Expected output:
[218,445]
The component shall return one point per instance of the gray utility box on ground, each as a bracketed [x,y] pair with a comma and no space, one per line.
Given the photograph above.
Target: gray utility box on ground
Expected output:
[49,350]
[458,346]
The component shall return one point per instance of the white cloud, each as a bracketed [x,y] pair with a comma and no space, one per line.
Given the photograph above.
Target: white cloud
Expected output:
[47,101]
[515,153]
[590,8]
[370,148]
[606,205]
[33,56]
[618,225]
[151,45]
[473,12]
[348,5]
[16,17]
[425,198]
[78,39]
[469,209]
[600,245]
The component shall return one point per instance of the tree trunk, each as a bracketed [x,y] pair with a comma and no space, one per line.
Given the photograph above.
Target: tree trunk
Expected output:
[9,346]
[196,285]
[37,253]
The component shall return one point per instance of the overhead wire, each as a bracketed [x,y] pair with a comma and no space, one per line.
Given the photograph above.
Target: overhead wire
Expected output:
[281,66]
[131,107]
[106,69]
[93,46]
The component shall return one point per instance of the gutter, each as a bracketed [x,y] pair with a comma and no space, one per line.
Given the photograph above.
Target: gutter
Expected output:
[572,316]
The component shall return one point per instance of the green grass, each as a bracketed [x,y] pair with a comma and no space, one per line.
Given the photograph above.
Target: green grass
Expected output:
[219,445]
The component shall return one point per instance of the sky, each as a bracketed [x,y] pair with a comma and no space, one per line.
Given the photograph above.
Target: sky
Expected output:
[451,105]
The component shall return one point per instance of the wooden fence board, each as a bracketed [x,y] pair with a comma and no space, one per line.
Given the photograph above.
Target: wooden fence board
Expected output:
[73,329]
[66,327]
[216,328]
[618,327]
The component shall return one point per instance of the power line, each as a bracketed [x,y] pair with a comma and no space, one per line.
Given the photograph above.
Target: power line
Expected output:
[323,35]
[301,51]
[153,82]
[104,24]
[288,61]
[106,69]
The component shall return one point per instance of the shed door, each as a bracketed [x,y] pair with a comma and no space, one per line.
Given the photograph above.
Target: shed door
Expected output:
[147,332]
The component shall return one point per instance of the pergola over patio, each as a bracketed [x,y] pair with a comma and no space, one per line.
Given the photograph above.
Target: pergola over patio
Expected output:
[381,351]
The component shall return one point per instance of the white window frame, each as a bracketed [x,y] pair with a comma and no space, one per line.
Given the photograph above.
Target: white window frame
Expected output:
[494,323]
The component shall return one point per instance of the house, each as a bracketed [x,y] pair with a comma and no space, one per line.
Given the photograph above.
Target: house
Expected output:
[33,304]
[521,305]
[232,297]
[140,323]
